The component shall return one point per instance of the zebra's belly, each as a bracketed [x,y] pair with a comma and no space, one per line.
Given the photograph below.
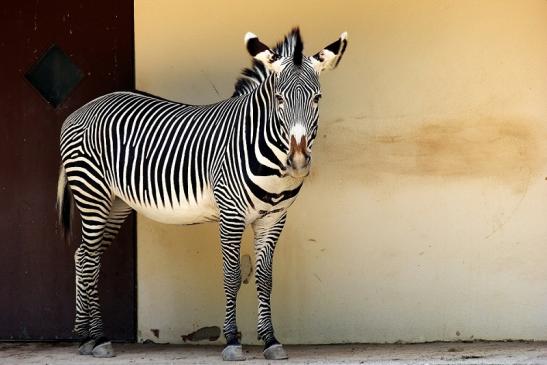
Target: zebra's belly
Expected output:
[202,210]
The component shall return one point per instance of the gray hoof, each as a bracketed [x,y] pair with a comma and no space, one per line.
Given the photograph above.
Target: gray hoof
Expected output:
[86,348]
[233,353]
[275,352]
[103,350]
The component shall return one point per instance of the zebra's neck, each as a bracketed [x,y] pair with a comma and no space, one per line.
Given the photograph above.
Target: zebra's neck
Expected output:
[260,154]
[266,152]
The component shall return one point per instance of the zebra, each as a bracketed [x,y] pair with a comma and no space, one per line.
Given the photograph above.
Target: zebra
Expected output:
[240,162]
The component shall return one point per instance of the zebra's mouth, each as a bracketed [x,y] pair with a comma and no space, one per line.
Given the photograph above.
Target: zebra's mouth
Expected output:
[297,173]
[298,165]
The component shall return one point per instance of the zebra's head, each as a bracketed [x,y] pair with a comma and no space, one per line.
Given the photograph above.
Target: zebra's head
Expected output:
[296,92]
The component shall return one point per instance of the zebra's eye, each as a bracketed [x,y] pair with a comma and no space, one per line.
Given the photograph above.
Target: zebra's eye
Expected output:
[279,99]
[316,98]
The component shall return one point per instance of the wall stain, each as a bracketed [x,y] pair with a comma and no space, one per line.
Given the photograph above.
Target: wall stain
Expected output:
[246,268]
[317,277]
[211,333]
[504,149]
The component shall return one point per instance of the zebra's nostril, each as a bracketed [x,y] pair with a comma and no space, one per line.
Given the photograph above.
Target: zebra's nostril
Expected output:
[289,162]
[308,159]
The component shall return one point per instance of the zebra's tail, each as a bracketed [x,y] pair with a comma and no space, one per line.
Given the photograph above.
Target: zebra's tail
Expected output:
[64,202]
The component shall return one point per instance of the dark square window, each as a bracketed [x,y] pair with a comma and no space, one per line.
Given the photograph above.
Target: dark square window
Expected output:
[54,75]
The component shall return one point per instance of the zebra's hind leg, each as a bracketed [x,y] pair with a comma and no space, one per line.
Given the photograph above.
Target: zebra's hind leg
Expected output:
[231,231]
[118,213]
[267,231]
[81,323]
[94,201]
[101,215]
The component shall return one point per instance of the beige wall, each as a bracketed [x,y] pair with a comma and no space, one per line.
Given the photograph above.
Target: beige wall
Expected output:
[425,217]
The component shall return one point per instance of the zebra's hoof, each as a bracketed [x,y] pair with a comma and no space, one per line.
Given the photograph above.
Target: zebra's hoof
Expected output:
[86,347]
[275,352]
[103,350]
[233,353]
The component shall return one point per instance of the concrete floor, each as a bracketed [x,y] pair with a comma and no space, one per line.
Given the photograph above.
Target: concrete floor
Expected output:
[430,353]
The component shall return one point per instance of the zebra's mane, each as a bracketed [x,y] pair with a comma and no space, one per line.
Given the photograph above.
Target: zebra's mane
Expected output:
[253,76]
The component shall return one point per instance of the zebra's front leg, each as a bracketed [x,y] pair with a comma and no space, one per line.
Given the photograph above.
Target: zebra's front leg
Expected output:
[267,231]
[231,230]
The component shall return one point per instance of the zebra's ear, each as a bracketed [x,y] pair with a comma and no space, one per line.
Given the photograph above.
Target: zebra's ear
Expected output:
[261,52]
[329,57]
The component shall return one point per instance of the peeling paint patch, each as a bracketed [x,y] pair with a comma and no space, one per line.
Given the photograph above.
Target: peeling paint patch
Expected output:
[205,333]
[246,268]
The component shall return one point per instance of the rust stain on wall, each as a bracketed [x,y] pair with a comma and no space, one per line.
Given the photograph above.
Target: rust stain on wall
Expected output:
[503,149]
[481,148]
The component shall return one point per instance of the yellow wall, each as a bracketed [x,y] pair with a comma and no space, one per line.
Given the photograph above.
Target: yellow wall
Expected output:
[425,217]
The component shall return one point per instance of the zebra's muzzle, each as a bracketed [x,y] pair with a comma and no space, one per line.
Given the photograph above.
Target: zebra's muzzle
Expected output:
[299,158]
